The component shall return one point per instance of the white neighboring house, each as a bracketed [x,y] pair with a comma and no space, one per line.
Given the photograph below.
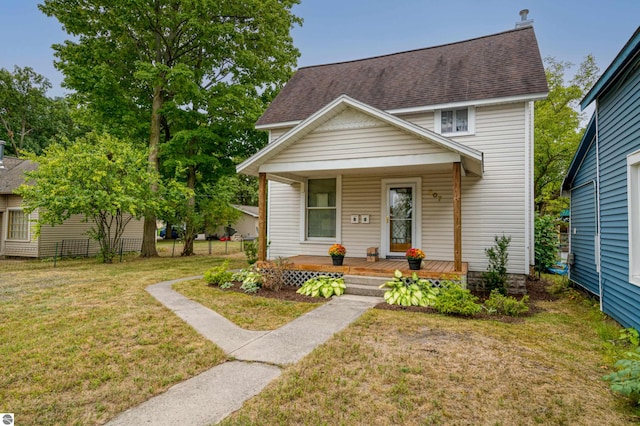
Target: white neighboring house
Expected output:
[430,148]
[17,236]
[247,225]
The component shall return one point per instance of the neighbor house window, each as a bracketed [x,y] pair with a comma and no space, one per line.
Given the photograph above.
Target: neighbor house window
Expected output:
[452,121]
[633,200]
[322,199]
[18,225]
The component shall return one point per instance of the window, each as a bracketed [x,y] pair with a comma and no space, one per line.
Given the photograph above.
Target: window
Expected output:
[18,226]
[633,200]
[452,121]
[322,199]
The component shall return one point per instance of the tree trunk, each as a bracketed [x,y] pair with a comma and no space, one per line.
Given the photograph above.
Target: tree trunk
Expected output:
[149,235]
[189,236]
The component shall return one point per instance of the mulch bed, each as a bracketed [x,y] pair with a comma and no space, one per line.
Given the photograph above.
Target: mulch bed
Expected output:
[535,290]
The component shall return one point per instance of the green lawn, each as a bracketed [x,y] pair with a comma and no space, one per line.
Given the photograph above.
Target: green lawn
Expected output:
[425,369]
[84,341]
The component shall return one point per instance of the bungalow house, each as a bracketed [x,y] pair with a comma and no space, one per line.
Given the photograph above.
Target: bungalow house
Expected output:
[429,148]
[603,182]
[17,236]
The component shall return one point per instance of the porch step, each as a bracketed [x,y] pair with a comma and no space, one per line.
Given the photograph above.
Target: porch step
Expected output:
[364,285]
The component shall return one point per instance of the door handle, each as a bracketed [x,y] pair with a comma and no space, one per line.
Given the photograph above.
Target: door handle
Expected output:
[387,219]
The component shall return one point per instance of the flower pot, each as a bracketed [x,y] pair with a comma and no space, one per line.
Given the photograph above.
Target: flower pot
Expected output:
[337,260]
[414,264]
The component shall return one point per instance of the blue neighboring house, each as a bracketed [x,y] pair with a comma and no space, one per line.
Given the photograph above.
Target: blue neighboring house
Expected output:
[603,182]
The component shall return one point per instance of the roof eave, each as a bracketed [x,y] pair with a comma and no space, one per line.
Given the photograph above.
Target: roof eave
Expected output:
[618,64]
[577,160]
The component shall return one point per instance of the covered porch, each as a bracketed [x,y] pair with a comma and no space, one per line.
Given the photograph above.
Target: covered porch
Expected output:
[372,166]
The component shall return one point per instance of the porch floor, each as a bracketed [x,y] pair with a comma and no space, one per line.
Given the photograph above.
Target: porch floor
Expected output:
[440,269]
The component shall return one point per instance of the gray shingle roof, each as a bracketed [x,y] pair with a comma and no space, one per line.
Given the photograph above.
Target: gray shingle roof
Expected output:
[12,176]
[495,66]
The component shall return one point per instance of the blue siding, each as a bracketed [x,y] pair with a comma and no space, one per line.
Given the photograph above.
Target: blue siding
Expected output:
[584,224]
[619,135]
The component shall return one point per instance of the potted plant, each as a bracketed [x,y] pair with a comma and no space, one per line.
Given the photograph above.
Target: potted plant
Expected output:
[337,252]
[414,256]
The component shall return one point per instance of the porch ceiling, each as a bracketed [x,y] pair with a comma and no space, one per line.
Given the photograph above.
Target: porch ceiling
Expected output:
[388,171]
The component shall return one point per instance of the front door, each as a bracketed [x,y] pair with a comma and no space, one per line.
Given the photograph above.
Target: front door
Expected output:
[400,220]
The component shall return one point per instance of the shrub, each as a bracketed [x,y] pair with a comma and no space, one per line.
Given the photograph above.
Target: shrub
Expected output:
[546,241]
[496,275]
[409,291]
[323,285]
[251,280]
[507,305]
[219,275]
[627,379]
[251,251]
[273,274]
[453,299]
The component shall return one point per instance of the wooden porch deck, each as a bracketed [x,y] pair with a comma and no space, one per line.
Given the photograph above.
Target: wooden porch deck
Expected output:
[434,269]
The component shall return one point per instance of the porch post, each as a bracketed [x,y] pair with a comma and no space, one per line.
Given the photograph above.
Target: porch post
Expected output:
[262,216]
[457,218]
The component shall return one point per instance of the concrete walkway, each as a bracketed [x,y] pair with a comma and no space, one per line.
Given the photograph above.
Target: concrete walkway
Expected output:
[211,396]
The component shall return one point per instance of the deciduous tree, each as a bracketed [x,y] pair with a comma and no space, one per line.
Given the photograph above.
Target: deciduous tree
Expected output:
[150,61]
[98,176]
[557,130]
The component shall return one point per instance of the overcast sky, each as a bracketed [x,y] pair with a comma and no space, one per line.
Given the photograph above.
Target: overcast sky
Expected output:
[335,31]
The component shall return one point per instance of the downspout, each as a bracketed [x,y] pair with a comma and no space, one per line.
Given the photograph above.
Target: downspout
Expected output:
[598,256]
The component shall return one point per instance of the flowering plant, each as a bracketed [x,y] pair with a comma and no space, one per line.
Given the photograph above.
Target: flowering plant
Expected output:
[414,253]
[337,250]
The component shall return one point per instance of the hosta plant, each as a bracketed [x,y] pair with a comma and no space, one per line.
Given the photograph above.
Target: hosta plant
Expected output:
[627,379]
[323,286]
[411,291]
[251,279]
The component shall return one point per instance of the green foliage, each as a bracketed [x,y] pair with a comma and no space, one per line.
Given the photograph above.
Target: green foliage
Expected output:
[251,279]
[324,286]
[251,250]
[507,305]
[191,77]
[546,242]
[455,300]
[557,130]
[98,176]
[29,120]
[630,335]
[495,276]
[627,379]
[411,291]
[219,275]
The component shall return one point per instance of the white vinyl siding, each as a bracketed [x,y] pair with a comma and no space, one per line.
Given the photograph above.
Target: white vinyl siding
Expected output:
[491,205]
[276,133]
[495,204]
[367,140]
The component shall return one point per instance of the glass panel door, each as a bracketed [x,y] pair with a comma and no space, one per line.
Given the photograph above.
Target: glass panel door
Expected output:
[400,218]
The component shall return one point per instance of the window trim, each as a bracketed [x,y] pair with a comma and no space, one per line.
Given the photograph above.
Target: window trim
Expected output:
[471,121]
[27,217]
[303,212]
[633,211]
